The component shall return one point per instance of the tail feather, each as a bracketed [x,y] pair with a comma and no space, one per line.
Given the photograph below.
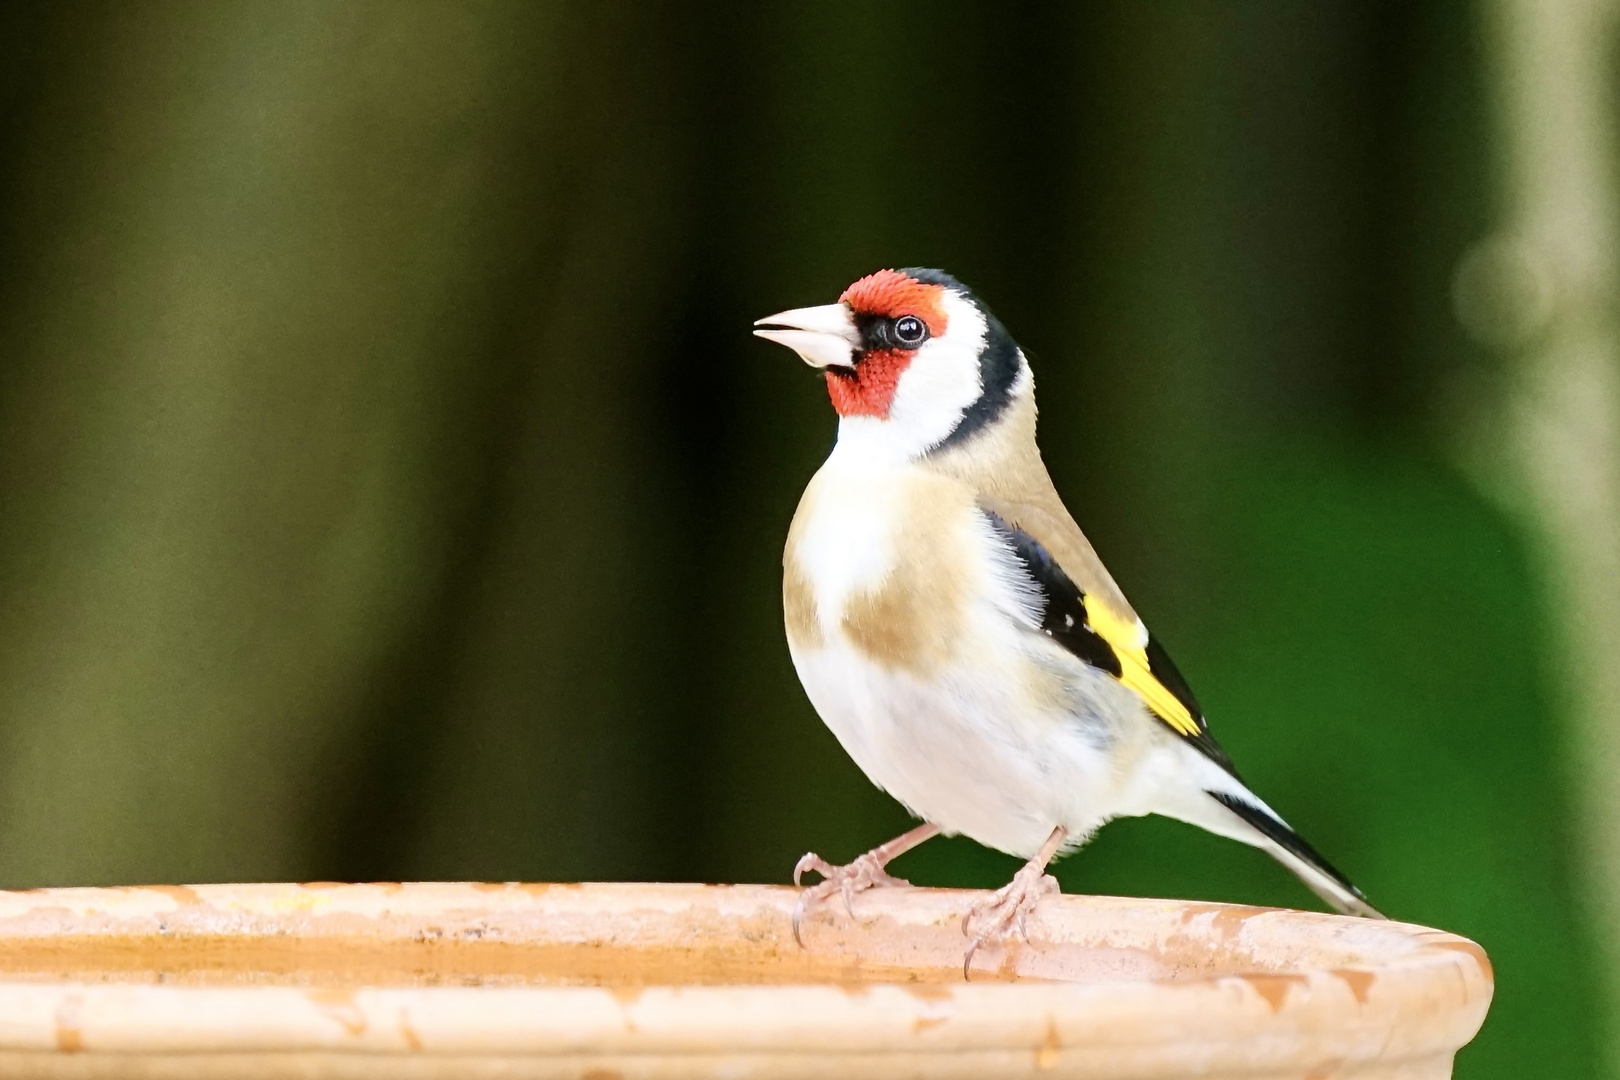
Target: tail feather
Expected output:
[1290,849]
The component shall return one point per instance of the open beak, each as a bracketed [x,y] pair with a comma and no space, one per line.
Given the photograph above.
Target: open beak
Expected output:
[823,336]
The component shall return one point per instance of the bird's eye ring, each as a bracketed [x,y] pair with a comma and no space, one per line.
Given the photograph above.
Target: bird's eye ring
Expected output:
[910,331]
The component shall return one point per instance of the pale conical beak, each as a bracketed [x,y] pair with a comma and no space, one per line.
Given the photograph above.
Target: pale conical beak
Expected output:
[823,336]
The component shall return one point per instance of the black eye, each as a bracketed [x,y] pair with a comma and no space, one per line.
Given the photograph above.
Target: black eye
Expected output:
[910,331]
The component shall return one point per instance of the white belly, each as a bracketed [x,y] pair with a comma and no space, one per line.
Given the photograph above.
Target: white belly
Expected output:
[967,752]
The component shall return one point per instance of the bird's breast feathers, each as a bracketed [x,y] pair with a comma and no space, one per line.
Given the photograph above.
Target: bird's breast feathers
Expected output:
[898,565]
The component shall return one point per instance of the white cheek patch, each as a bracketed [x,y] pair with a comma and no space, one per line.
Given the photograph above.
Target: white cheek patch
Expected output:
[938,386]
[936,390]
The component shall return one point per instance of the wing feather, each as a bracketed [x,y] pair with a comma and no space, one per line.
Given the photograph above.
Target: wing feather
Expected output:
[1111,641]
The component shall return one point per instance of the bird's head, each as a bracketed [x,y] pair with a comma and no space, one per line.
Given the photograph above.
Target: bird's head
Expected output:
[914,362]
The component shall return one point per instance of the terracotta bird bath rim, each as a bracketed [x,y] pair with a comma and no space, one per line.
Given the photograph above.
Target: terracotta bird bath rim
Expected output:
[614,981]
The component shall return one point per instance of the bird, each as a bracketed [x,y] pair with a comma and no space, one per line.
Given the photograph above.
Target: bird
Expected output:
[957,632]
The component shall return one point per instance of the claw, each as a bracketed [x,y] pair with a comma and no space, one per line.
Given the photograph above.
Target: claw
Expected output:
[811,861]
[1006,909]
[798,916]
[865,872]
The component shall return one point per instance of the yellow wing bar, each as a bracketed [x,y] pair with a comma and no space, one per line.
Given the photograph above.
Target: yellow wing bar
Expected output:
[1128,640]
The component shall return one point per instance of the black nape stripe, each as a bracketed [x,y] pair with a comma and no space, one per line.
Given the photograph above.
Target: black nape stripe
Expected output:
[1284,837]
[998,363]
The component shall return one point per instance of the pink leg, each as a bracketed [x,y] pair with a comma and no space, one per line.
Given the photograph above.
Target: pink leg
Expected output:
[1009,905]
[865,872]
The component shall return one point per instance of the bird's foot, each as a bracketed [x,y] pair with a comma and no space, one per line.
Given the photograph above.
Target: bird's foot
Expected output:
[995,918]
[863,873]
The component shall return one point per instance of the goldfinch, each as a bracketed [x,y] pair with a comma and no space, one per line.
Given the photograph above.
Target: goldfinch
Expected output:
[955,630]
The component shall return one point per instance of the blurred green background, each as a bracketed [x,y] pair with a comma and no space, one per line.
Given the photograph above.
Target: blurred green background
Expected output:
[390,487]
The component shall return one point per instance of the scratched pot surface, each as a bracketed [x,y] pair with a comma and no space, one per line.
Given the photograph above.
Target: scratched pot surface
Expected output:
[459,979]
[475,934]
[388,934]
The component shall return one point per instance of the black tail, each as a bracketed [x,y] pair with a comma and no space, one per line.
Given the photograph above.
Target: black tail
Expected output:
[1315,871]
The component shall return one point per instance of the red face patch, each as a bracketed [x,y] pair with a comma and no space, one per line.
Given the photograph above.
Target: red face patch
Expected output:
[886,294]
[892,294]
[870,390]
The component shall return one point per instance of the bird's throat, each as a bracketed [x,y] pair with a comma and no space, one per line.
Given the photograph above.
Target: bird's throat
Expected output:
[869,389]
